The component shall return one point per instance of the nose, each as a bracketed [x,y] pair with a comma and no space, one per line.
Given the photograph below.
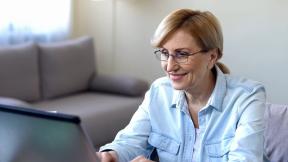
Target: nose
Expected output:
[171,64]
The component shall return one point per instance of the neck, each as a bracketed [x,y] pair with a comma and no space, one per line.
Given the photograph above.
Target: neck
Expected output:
[200,96]
[196,99]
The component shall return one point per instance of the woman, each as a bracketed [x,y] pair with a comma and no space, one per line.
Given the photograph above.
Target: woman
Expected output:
[198,112]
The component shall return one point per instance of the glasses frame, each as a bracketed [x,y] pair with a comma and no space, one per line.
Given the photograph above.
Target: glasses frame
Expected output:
[158,52]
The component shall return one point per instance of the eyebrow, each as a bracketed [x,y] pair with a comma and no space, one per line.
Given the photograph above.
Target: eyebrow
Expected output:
[177,49]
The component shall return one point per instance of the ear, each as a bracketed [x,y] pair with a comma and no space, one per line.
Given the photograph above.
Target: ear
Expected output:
[213,57]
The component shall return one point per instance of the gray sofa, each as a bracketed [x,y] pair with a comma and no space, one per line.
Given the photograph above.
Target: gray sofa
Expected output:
[62,76]
[276,133]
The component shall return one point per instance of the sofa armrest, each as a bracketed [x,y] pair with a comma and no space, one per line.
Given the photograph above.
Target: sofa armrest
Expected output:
[119,85]
[275,134]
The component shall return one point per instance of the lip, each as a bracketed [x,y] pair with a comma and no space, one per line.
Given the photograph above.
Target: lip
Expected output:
[177,77]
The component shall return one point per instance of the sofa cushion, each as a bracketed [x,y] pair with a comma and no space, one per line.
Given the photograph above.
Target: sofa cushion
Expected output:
[66,67]
[19,75]
[276,132]
[102,114]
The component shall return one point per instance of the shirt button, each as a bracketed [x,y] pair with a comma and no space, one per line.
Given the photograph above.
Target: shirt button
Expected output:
[201,120]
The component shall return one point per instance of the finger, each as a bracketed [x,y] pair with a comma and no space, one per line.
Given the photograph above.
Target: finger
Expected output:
[140,158]
[106,157]
[98,155]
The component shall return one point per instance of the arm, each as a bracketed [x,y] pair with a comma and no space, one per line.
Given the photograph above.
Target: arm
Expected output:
[133,140]
[110,156]
[248,142]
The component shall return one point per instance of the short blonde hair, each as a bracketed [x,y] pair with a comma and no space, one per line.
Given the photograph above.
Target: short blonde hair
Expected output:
[203,26]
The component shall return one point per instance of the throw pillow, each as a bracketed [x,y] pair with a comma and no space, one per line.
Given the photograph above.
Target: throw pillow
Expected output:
[19,75]
[66,67]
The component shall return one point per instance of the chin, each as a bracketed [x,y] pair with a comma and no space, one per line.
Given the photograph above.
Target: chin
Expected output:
[178,87]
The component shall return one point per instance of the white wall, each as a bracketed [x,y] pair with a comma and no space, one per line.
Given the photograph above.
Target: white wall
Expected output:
[94,18]
[255,37]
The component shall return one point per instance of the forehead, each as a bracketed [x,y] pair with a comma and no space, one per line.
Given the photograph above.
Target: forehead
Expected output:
[180,39]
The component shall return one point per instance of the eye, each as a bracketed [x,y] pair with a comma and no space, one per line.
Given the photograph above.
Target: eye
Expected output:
[181,54]
[165,52]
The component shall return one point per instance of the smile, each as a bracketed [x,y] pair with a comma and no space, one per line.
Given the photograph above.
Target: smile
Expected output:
[177,77]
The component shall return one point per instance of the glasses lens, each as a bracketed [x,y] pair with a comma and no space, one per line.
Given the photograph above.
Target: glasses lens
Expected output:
[158,55]
[181,57]
[164,56]
[161,56]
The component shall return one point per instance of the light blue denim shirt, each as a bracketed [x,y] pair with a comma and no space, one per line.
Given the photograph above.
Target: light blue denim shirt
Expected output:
[230,125]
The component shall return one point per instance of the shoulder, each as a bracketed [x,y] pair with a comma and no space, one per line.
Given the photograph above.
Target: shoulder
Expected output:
[242,91]
[161,83]
[243,84]
[244,95]
[161,89]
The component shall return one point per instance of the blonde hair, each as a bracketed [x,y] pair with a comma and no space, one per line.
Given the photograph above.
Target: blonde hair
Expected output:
[203,26]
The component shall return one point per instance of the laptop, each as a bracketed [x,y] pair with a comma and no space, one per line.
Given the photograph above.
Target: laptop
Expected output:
[30,135]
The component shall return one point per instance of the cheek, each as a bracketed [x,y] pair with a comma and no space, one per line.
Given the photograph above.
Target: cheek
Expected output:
[194,72]
[190,68]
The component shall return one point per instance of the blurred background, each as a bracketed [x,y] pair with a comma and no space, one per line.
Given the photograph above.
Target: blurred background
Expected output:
[255,37]
[255,33]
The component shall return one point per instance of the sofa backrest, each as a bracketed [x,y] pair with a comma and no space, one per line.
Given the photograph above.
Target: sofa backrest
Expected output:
[66,67]
[276,132]
[31,72]
[19,72]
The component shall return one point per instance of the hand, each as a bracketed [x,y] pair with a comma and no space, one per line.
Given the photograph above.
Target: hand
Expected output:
[141,159]
[110,156]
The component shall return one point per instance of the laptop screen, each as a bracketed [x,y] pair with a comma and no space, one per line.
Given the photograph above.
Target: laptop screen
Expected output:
[35,136]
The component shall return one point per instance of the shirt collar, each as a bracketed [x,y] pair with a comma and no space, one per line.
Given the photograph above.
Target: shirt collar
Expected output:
[218,94]
[177,100]
[216,98]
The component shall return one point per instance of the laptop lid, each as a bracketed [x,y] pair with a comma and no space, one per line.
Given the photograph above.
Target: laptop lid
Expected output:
[29,135]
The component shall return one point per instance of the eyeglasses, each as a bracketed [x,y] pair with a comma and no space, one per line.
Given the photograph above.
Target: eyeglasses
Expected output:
[178,56]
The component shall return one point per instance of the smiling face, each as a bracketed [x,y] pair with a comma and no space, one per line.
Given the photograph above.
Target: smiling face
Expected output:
[196,74]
